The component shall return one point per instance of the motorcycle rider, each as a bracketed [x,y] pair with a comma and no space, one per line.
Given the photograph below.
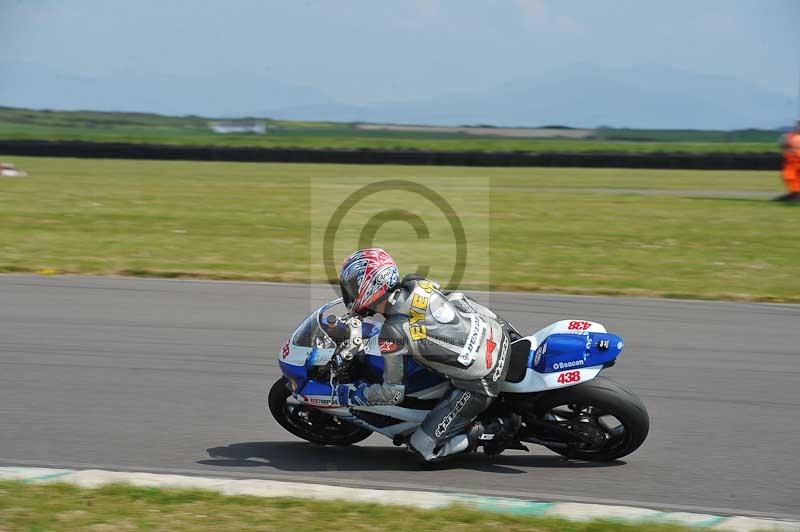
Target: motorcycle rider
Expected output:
[448,333]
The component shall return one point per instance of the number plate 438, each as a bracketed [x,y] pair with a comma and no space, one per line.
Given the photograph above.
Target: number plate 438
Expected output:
[569,377]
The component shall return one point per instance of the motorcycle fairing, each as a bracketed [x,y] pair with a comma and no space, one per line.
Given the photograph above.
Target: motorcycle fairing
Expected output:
[575,349]
[569,351]
[420,382]
[311,345]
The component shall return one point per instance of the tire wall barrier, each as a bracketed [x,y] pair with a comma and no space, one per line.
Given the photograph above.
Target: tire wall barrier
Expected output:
[103,150]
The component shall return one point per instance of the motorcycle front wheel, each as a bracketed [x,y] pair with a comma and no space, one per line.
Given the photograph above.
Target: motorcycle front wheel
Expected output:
[308,423]
[605,420]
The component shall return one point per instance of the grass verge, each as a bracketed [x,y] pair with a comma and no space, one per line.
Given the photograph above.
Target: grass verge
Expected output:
[695,234]
[121,507]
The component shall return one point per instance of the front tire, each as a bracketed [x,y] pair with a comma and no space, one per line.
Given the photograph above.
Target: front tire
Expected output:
[309,423]
[601,411]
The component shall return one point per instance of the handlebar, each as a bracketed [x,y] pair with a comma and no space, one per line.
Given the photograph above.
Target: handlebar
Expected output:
[355,341]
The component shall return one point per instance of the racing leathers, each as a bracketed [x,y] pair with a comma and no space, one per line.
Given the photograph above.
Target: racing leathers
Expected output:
[449,334]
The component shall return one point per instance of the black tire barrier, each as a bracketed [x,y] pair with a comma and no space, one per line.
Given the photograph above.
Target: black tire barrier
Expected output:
[114,150]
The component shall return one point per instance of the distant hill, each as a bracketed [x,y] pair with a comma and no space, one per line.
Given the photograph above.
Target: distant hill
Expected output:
[578,95]
[25,85]
[588,96]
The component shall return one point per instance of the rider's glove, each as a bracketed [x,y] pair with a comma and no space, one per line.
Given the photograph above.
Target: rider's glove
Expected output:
[349,395]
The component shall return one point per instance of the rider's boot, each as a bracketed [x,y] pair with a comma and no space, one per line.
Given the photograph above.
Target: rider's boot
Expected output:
[496,435]
[430,451]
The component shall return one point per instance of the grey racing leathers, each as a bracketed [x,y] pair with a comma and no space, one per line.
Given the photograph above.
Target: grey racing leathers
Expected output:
[454,336]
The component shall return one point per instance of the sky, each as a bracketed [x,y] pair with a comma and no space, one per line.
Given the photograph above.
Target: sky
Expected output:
[361,52]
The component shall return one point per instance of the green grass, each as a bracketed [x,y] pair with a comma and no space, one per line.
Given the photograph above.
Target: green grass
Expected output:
[193,131]
[683,135]
[582,231]
[119,507]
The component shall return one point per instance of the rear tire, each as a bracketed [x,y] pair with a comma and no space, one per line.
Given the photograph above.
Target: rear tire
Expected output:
[592,401]
[309,423]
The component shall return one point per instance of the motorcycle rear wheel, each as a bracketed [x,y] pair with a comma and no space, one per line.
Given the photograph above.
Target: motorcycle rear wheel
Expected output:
[308,423]
[600,410]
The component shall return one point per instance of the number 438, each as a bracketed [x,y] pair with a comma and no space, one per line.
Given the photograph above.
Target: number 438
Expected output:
[569,376]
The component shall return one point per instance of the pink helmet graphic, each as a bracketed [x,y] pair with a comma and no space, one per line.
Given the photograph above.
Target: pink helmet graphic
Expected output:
[367,276]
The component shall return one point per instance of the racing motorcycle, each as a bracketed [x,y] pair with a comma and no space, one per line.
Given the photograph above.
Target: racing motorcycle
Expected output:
[552,383]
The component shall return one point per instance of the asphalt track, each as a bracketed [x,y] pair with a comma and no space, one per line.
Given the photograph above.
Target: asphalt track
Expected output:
[155,375]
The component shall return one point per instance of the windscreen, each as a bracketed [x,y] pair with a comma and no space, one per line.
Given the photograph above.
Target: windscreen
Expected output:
[308,332]
[312,332]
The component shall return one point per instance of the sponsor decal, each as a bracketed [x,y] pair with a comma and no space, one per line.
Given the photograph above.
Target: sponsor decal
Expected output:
[579,325]
[285,350]
[418,332]
[316,401]
[619,344]
[570,364]
[419,301]
[538,356]
[500,363]
[491,345]
[442,427]
[416,316]
[476,328]
[427,286]
[465,304]
[388,346]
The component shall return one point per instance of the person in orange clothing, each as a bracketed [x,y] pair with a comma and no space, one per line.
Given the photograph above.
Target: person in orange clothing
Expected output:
[790,143]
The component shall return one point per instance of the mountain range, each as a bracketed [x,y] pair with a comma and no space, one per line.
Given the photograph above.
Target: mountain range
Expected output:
[579,95]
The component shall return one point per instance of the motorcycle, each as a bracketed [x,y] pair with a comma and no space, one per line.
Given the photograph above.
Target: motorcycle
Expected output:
[553,383]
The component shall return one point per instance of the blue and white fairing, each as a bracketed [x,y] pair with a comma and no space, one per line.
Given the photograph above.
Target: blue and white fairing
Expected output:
[565,353]
[311,345]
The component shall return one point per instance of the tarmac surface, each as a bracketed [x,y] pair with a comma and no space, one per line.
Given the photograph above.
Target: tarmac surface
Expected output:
[170,376]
